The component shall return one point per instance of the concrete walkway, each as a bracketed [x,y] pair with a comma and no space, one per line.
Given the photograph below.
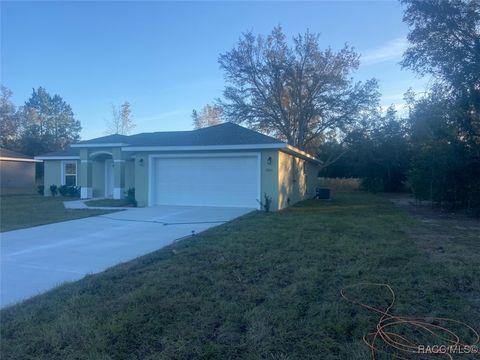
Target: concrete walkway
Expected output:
[39,258]
[80,204]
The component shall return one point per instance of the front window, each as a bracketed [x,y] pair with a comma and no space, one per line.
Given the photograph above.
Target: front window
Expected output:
[70,173]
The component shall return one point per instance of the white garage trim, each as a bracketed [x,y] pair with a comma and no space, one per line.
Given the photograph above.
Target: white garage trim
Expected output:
[153,157]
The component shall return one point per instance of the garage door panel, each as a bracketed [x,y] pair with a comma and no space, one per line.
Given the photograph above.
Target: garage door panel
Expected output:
[207,181]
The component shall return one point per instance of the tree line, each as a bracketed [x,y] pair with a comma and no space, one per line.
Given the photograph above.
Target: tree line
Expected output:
[46,123]
[434,150]
[305,95]
[43,124]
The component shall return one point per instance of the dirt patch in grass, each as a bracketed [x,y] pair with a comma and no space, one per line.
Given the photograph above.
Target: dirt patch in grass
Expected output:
[449,239]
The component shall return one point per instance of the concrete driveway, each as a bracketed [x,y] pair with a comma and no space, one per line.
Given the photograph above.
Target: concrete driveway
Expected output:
[37,259]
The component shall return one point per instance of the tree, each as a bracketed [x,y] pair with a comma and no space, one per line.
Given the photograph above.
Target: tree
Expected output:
[47,124]
[9,120]
[445,42]
[445,123]
[297,92]
[121,121]
[445,168]
[209,115]
[378,153]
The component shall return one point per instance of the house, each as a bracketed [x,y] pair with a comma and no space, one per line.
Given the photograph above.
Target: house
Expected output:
[221,165]
[17,172]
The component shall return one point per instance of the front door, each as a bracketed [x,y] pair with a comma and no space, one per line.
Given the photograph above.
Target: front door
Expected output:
[109,178]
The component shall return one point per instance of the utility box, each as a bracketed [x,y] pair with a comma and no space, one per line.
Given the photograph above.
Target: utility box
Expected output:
[323,193]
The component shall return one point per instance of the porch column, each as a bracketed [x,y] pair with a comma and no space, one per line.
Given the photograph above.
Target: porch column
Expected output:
[86,191]
[118,178]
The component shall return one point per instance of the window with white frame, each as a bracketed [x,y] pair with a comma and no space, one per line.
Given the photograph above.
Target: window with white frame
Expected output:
[70,173]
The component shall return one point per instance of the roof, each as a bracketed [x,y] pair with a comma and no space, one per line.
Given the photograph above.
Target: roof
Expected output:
[226,136]
[222,134]
[109,139]
[6,154]
[69,153]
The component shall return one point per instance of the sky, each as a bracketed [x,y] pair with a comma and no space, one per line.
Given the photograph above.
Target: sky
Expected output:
[162,57]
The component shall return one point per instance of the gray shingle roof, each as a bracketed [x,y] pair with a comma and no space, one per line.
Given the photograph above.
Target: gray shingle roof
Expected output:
[67,152]
[222,134]
[225,134]
[13,154]
[109,139]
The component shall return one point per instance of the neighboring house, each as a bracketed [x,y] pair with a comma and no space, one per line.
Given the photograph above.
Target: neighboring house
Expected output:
[17,172]
[221,165]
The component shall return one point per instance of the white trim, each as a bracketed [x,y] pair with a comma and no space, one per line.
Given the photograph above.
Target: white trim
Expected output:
[62,171]
[96,153]
[151,157]
[6,158]
[98,145]
[57,157]
[118,161]
[85,161]
[205,147]
[86,193]
[118,193]
[289,149]
[280,146]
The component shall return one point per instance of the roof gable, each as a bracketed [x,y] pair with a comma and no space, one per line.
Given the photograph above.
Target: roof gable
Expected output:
[222,134]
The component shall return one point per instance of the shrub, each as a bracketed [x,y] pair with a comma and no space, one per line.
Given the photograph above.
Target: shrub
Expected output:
[70,191]
[131,196]
[41,189]
[267,202]
[63,190]
[54,190]
[373,184]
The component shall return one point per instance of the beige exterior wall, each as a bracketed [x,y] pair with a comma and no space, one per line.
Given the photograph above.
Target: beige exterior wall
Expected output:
[296,179]
[269,175]
[53,173]
[141,178]
[129,174]
[285,178]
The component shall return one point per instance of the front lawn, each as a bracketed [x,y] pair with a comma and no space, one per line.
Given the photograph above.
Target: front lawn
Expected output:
[265,286]
[23,211]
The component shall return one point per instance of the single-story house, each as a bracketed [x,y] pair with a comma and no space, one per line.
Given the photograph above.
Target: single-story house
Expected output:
[17,172]
[221,165]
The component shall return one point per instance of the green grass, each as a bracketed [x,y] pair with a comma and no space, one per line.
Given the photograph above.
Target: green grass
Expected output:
[23,211]
[265,286]
[109,203]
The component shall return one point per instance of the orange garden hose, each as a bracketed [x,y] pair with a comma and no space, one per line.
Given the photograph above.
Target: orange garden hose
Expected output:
[449,342]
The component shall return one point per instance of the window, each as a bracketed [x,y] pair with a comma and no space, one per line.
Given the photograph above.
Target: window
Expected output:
[70,173]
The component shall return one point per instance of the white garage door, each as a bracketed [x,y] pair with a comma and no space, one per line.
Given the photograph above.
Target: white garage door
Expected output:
[206,181]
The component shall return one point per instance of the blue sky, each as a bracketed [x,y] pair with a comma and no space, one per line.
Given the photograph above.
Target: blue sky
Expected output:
[162,56]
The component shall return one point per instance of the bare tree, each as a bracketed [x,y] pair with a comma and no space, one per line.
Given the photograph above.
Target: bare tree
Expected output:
[296,92]
[121,121]
[208,116]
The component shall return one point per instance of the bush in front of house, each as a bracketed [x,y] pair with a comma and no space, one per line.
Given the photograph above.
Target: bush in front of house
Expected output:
[54,190]
[131,196]
[69,191]
[41,189]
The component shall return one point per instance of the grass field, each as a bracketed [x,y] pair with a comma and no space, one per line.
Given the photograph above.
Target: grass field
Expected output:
[265,286]
[22,211]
